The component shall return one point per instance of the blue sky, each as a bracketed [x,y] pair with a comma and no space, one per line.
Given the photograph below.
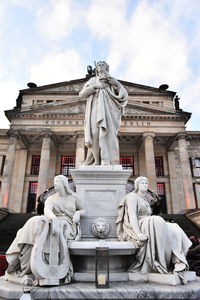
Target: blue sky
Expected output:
[149,42]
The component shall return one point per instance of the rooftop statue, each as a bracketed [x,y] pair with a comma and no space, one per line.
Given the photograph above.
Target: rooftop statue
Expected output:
[40,249]
[106,98]
[162,246]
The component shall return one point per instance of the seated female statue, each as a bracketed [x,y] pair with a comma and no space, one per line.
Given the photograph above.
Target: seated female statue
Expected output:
[43,240]
[162,246]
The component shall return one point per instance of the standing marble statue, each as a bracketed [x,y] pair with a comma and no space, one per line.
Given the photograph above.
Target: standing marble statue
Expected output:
[40,249]
[162,246]
[106,98]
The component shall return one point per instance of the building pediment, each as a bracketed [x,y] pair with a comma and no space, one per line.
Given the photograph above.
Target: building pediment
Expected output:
[75,86]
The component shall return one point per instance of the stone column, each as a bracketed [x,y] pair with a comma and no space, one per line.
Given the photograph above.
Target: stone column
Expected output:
[150,160]
[8,169]
[44,163]
[19,189]
[80,150]
[186,171]
[174,206]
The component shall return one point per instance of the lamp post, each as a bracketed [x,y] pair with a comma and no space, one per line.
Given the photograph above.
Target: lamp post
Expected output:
[102,267]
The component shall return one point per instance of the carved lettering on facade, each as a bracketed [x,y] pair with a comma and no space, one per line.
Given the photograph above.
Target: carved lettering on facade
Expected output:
[64,122]
[81,123]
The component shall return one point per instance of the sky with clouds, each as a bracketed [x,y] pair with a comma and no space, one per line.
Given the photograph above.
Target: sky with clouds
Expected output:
[149,42]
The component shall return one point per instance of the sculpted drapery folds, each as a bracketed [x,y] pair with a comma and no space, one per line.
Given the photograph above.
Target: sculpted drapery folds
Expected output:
[106,98]
[42,243]
[162,246]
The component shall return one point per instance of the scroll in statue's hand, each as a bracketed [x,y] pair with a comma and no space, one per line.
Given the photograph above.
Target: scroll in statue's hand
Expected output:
[142,237]
[76,217]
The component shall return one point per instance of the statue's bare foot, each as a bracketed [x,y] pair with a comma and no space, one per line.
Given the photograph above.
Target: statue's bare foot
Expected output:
[96,163]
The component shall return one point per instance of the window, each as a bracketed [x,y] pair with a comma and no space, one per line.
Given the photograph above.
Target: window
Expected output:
[161,194]
[2,164]
[127,163]
[35,165]
[67,163]
[196,169]
[161,189]
[155,102]
[33,185]
[159,166]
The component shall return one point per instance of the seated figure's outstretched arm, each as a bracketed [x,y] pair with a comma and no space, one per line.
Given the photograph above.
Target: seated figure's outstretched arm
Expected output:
[80,211]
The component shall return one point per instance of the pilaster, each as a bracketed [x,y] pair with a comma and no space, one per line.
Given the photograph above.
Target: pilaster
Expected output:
[186,171]
[8,169]
[175,206]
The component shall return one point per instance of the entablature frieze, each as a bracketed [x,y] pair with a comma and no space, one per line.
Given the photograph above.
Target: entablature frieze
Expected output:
[78,120]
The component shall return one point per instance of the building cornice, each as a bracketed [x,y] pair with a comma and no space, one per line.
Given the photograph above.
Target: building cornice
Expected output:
[81,116]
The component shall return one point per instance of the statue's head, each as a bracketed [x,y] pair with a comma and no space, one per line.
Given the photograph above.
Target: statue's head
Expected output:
[138,182]
[61,182]
[102,65]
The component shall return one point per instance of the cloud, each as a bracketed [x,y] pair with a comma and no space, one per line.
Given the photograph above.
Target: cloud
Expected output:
[53,68]
[106,18]
[146,46]
[147,41]
[2,17]
[151,43]
[9,92]
[57,19]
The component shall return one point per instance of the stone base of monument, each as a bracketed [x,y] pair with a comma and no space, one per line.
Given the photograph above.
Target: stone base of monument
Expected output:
[169,279]
[116,290]
[83,259]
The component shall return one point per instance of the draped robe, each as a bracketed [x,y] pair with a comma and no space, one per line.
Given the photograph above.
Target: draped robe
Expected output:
[104,109]
[167,243]
[19,253]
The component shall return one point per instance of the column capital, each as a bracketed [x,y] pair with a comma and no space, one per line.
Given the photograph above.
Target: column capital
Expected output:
[79,134]
[182,135]
[149,135]
[46,134]
[13,133]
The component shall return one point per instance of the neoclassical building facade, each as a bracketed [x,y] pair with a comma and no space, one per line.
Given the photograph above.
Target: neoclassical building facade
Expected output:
[46,138]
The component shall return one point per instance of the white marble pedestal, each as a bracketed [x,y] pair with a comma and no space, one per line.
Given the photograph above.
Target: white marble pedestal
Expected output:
[100,189]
